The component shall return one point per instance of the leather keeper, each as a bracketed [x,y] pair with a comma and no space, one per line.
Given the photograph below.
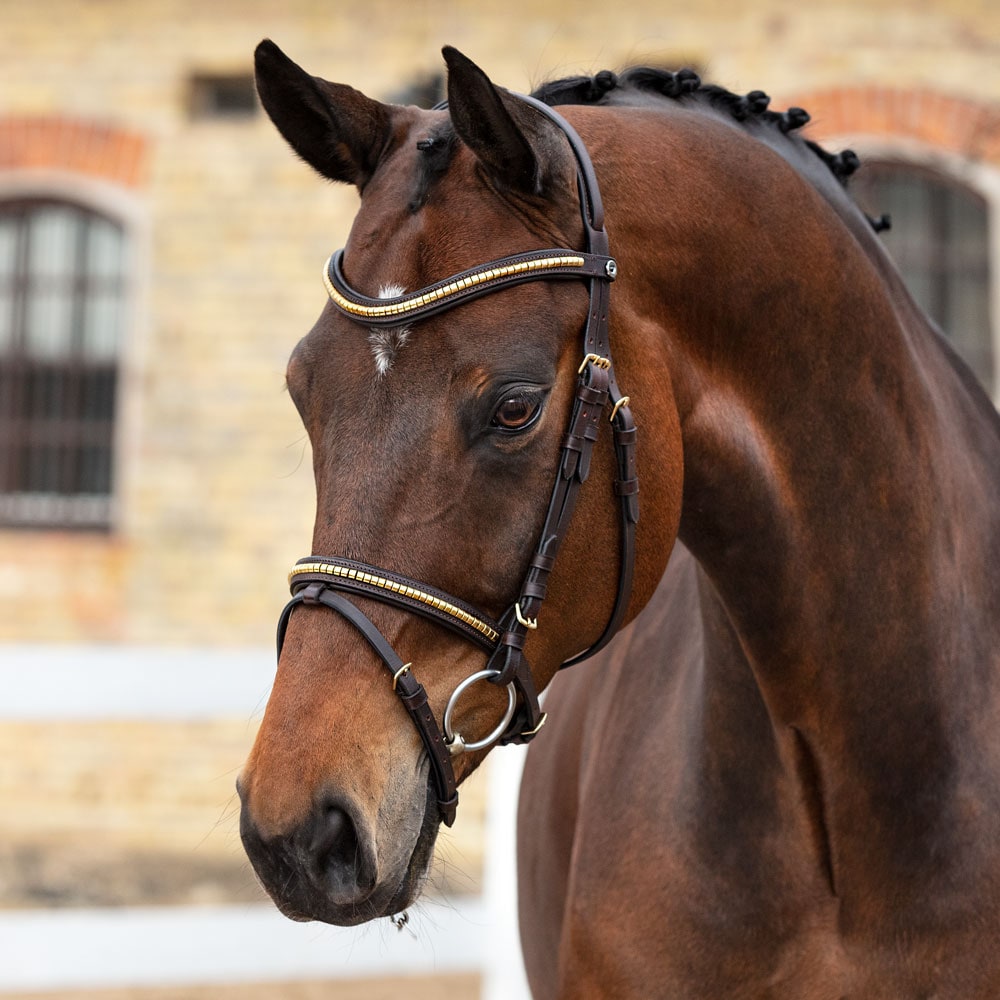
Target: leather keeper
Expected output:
[542,563]
[310,593]
[535,589]
[505,662]
[449,808]
[577,450]
[514,640]
[594,395]
[577,438]
[413,700]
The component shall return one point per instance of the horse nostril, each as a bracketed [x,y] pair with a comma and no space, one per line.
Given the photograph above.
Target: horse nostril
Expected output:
[333,833]
[338,861]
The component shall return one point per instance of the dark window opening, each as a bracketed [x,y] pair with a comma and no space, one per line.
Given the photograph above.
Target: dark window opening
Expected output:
[424,91]
[225,96]
[62,294]
[940,241]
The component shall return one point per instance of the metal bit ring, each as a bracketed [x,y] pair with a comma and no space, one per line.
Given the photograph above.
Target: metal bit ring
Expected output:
[454,740]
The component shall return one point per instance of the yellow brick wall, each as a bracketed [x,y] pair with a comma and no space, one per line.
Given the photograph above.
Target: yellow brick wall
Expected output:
[453,987]
[121,811]
[215,482]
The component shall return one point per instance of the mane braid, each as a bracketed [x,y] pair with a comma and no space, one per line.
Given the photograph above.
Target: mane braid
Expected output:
[683,86]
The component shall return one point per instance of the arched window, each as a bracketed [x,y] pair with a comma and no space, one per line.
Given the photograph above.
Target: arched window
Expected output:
[62,297]
[940,241]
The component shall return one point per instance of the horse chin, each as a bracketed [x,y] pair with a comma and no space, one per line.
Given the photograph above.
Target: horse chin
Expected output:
[415,875]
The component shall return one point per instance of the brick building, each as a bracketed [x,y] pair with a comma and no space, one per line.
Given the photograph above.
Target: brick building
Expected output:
[160,252]
[137,116]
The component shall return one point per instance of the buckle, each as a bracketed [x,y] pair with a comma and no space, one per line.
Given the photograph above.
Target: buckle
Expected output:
[595,359]
[530,623]
[541,722]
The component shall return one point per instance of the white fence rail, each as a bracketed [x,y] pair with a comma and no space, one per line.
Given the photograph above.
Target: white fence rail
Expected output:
[64,949]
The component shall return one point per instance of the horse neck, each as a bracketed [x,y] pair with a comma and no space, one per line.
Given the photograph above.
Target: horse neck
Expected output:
[840,479]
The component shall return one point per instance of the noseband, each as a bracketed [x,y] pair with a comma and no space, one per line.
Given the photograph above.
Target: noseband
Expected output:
[321,580]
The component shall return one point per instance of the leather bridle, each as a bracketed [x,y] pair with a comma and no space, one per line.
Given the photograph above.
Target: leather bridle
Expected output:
[322,580]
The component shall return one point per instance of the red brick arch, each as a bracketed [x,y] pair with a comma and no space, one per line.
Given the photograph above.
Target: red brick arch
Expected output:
[78,146]
[959,125]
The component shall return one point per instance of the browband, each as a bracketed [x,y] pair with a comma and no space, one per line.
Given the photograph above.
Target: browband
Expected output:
[462,287]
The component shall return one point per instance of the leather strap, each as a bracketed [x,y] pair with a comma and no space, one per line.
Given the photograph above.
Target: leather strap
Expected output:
[460,288]
[384,585]
[593,391]
[411,692]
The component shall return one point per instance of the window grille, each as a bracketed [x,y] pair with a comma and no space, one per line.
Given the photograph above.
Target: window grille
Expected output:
[940,241]
[424,91]
[232,96]
[62,294]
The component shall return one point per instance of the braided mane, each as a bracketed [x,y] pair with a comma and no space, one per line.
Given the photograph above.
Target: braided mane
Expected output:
[685,86]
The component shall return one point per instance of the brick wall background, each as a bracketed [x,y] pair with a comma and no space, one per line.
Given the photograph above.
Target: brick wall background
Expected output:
[966,126]
[214,482]
[127,812]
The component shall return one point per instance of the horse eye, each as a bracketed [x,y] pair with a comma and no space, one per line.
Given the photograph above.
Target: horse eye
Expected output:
[517,412]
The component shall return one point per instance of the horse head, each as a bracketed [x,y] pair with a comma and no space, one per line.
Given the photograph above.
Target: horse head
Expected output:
[436,439]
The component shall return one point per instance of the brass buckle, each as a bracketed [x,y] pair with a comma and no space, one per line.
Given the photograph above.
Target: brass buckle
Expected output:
[530,623]
[595,359]
[624,401]
[399,673]
[541,722]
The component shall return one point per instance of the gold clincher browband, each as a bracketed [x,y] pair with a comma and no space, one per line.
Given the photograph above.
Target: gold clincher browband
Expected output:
[362,579]
[471,284]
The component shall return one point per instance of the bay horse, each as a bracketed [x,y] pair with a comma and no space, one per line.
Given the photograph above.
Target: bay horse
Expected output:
[781,780]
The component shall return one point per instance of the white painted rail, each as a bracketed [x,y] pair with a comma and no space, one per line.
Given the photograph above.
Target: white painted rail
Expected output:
[64,949]
[80,949]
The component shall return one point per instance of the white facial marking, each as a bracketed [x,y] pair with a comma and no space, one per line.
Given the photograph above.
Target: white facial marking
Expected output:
[386,343]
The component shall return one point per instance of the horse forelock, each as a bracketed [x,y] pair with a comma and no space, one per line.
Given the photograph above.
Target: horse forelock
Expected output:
[436,150]
[386,344]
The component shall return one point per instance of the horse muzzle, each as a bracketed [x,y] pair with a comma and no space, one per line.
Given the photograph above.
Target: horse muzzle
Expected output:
[329,867]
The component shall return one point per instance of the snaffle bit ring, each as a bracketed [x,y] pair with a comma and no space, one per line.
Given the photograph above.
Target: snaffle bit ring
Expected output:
[454,740]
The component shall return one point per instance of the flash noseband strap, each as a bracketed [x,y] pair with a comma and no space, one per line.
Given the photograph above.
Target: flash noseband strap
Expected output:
[394,588]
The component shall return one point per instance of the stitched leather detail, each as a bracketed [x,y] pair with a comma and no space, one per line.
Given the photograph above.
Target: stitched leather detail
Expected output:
[459,288]
[410,691]
[394,588]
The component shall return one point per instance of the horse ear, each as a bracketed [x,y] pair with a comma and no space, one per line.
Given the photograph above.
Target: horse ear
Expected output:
[520,149]
[334,128]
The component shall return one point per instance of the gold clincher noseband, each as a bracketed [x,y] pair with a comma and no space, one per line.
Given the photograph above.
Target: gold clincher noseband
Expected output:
[324,580]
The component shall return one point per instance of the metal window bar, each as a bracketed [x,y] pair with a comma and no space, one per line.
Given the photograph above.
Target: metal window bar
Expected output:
[940,241]
[60,316]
